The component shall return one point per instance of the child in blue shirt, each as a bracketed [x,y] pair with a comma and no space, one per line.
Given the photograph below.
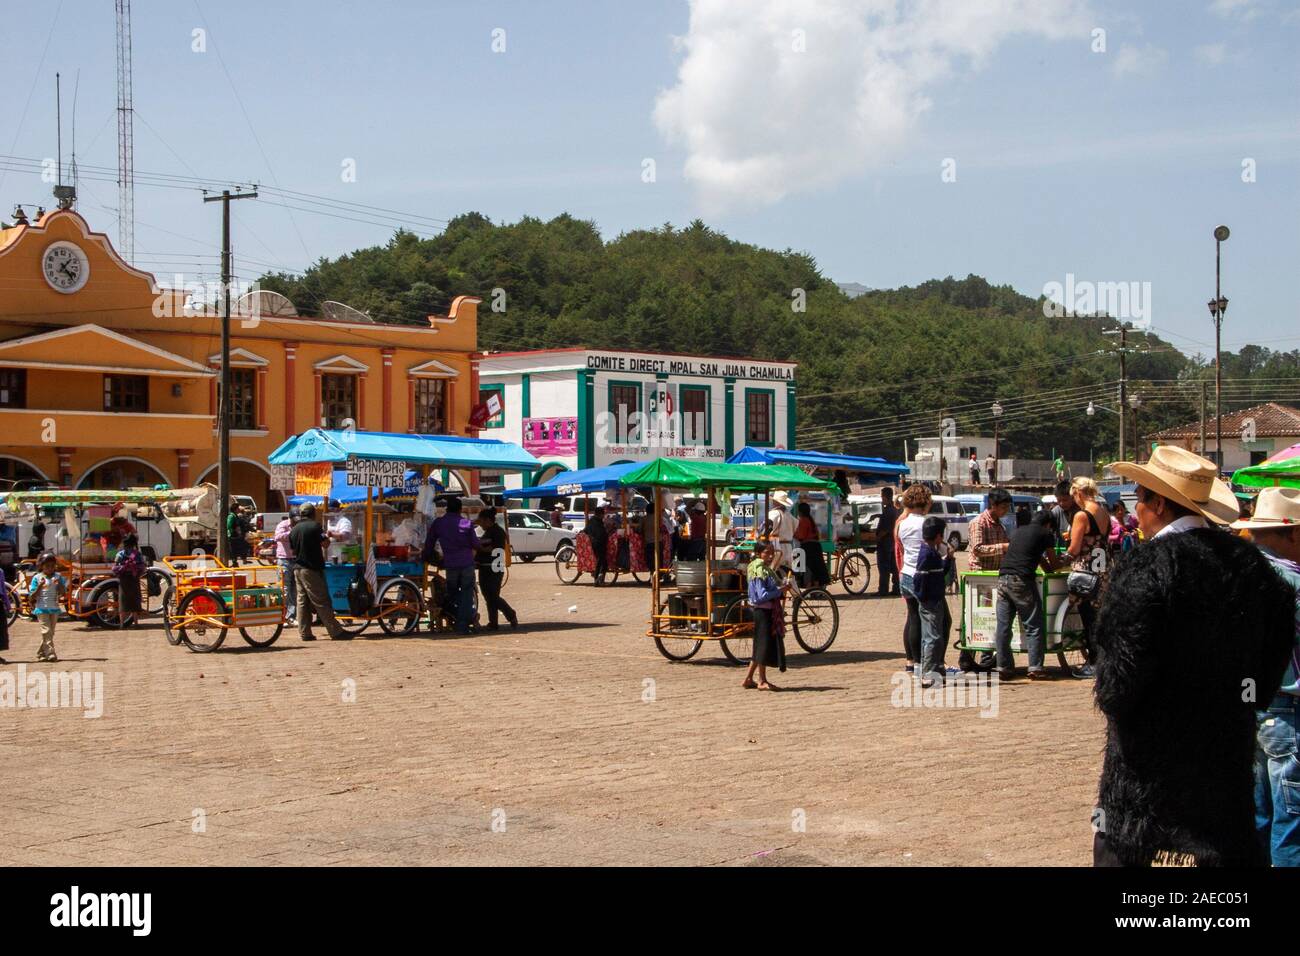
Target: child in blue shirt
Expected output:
[46,587]
[934,563]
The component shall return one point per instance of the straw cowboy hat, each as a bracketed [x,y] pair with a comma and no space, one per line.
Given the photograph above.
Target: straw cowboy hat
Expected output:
[1185,478]
[1274,508]
[782,499]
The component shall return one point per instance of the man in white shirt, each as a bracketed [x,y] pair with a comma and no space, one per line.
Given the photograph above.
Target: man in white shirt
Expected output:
[783,525]
[339,531]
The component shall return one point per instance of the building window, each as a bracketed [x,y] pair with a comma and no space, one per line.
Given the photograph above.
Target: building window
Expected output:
[487,391]
[624,406]
[758,416]
[338,399]
[126,393]
[430,403]
[1258,457]
[243,407]
[694,401]
[13,388]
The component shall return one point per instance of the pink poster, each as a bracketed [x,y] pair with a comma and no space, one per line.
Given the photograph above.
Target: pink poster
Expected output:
[551,436]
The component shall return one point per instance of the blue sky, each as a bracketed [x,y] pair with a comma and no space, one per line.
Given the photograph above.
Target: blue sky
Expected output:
[1113,166]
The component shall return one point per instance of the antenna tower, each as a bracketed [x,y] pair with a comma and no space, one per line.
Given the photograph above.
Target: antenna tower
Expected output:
[125,137]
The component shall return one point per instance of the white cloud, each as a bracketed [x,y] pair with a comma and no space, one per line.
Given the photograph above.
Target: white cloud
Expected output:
[759,119]
[1211,54]
[1246,9]
[1138,59]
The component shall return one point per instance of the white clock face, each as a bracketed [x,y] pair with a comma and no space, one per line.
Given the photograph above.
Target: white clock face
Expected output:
[65,266]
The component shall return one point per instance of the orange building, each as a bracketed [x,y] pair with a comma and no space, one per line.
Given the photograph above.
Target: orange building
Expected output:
[108,381]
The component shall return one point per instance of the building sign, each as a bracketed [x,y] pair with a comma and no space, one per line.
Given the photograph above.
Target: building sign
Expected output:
[485,411]
[718,368]
[313,479]
[282,478]
[369,473]
[550,436]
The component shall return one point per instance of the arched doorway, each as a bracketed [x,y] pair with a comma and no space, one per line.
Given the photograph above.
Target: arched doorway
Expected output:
[548,471]
[119,474]
[249,478]
[14,471]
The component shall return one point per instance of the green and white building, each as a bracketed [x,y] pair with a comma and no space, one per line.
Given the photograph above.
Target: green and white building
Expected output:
[586,408]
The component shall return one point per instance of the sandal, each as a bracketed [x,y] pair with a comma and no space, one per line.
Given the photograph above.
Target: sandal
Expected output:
[748,685]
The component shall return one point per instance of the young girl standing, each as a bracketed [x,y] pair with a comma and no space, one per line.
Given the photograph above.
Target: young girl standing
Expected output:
[47,586]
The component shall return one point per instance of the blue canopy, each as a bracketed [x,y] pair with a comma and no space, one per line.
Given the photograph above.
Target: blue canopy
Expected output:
[817,459]
[577,482]
[317,445]
[341,492]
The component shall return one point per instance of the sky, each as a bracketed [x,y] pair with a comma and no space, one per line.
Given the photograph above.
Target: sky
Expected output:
[895,141]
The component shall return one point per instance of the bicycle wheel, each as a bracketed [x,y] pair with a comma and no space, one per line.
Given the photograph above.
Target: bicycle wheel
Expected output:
[168,614]
[1069,624]
[15,604]
[676,648]
[399,606]
[816,619]
[262,635]
[197,620]
[104,604]
[740,648]
[855,572]
[154,579]
[566,565]
[350,627]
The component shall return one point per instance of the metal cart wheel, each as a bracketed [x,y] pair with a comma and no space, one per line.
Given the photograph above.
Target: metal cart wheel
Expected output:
[202,637]
[816,620]
[1069,624]
[399,606]
[262,635]
[169,612]
[154,579]
[566,565]
[104,601]
[15,604]
[350,627]
[740,649]
[677,648]
[855,572]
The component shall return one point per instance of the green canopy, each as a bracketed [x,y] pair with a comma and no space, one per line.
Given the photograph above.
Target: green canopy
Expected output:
[69,498]
[675,473]
[1282,469]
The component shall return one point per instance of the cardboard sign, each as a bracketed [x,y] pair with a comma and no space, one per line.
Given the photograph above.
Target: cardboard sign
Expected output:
[315,479]
[368,473]
[282,477]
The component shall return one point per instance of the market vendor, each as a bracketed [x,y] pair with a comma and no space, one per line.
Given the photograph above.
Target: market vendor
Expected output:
[339,531]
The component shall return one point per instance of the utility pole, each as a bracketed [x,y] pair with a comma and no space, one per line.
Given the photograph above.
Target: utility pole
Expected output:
[1123,350]
[223,403]
[1218,306]
[1204,387]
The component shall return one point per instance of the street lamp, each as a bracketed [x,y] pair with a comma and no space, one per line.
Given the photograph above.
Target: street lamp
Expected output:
[1218,307]
[997,456]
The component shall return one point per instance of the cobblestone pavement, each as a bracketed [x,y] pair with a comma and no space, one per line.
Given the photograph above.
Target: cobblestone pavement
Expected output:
[538,746]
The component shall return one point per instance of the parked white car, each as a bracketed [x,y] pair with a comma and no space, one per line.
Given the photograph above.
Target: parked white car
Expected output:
[530,535]
[950,510]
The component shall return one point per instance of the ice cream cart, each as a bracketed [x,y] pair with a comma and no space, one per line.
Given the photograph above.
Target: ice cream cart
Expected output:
[1062,625]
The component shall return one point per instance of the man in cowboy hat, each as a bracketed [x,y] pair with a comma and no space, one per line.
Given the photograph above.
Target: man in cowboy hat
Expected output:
[1194,628]
[1178,491]
[1275,529]
[782,525]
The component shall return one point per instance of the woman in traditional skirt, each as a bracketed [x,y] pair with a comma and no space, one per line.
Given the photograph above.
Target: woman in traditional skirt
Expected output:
[809,540]
[765,594]
[129,568]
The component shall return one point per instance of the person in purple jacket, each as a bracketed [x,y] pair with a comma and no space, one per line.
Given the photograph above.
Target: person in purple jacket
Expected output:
[454,535]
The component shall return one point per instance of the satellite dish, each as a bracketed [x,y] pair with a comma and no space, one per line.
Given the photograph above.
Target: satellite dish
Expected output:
[343,313]
[265,302]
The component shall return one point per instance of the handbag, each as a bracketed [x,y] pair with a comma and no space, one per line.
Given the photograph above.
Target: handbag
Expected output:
[1083,584]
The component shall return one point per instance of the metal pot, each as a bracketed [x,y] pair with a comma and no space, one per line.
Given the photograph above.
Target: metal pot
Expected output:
[691,578]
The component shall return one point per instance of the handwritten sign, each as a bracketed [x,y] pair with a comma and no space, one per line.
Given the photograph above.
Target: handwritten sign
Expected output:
[282,478]
[313,479]
[368,473]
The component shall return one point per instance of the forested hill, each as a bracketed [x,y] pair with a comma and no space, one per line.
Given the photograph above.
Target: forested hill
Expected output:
[874,369]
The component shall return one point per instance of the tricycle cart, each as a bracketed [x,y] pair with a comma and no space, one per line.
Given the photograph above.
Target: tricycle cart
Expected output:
[1062,625]
[399,591]
[847,559]
[209,598]
[707,600]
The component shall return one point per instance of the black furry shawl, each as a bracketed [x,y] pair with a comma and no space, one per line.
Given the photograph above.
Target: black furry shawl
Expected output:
[1193,635]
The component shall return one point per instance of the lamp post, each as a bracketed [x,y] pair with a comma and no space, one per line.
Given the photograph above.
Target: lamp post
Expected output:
[1218,307]
[997,451]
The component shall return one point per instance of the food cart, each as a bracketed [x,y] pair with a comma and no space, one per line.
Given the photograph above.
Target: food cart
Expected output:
[209,598]
[708,599]
[625,550]
[843,543]
[85,555]
[1062,625]
[392,586]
